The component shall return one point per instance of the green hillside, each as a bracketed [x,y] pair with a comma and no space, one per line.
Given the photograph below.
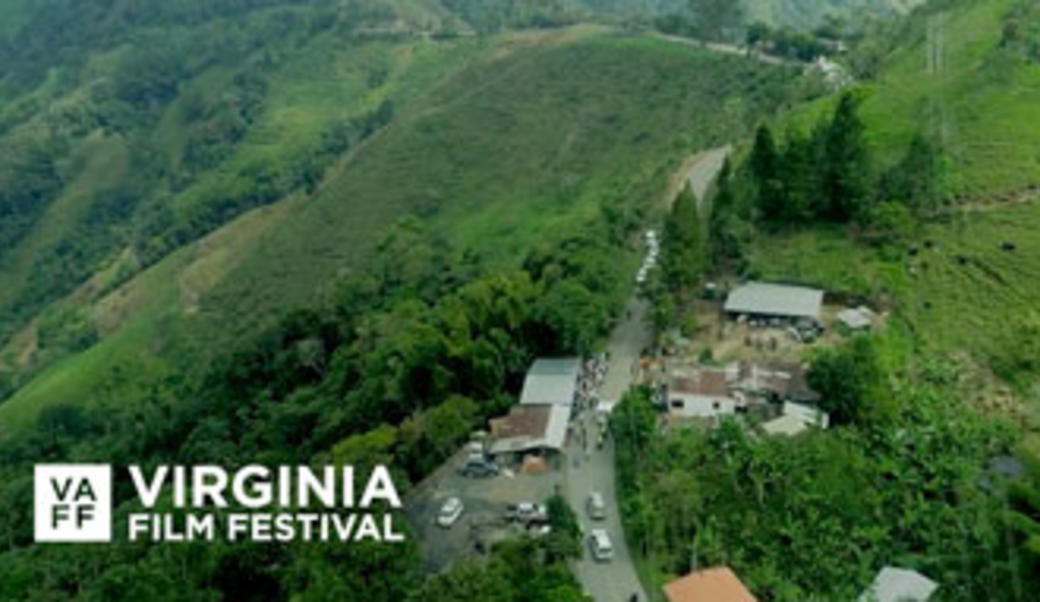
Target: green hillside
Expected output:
[520,148]
[213,124]
[964,277]
[965,75]
[806,14]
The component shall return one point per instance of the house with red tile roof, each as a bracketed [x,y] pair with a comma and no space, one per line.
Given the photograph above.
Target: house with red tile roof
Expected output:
[717,584]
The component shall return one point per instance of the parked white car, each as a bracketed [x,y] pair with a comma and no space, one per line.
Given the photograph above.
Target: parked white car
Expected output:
[596,507]
[599,543]
[526,512]
[450,512]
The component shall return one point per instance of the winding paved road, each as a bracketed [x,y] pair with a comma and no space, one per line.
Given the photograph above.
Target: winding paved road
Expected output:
[590,469]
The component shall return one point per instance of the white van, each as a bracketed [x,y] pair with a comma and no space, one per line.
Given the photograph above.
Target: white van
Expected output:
[596,508]
[599,542]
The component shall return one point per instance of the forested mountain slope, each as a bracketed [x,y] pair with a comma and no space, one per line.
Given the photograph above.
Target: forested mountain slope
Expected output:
[130,130]
[201,111]
[499,153]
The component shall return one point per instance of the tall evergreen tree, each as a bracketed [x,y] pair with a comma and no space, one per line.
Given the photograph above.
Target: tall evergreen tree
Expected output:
[800,178]
[683,246]
[765,171]
[914,179]
[846,184]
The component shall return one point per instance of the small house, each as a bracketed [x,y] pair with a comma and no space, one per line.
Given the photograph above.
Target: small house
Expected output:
[718,584]
[704,393]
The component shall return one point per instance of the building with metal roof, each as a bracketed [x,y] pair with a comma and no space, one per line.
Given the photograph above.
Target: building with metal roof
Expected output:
[764,300]
[530,428]
[551,381]
[899,585]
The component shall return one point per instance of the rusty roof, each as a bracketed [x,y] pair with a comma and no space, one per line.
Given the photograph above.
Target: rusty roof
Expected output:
[701,382]
[530,427]
[718,584]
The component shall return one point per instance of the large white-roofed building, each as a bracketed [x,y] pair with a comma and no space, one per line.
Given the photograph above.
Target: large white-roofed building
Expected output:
[765,300]
[552,381]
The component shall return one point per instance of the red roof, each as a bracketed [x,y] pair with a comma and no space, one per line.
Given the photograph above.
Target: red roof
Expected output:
[712,585]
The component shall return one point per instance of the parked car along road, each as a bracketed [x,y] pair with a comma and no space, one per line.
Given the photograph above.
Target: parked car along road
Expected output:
[599,543]
[596,507]
[450,512]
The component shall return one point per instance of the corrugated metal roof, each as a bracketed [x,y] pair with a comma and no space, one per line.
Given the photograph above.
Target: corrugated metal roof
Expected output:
[775,300]
[899,585]
[529,428]
[552,381]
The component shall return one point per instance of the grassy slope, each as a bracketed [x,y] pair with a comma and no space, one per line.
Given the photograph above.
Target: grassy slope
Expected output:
[965,293]
[526,143]
[314,85]
[806,14]
[977,105]
[521,146]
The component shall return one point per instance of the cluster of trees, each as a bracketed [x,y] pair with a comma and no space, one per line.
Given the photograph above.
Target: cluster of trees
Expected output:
[29,181]
[852,383]
[814,517]
[518,571]
[822,176]
[217,124]
[405,360]
[829,175]
[716,20]
[786,42]
[682,261]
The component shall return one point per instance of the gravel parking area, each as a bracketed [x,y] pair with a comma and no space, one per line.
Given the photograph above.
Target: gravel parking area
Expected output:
[482,521]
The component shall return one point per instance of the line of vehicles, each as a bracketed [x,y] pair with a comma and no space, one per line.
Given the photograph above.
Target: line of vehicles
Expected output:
[654,247]
[535,518]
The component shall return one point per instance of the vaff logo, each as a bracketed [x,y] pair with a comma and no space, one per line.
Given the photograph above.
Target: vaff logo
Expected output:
[73,502]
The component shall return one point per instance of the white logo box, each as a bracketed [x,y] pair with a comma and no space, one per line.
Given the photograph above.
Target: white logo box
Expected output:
[73,503]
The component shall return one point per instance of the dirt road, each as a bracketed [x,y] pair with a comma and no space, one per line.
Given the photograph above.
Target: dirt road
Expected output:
[730,49]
